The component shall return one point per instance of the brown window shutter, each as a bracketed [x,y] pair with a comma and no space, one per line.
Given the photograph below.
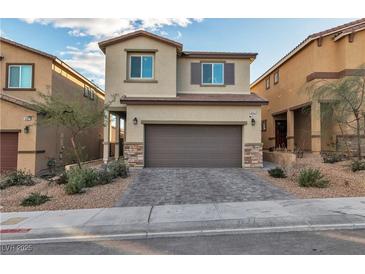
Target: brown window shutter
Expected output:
[229,73]
[195,74]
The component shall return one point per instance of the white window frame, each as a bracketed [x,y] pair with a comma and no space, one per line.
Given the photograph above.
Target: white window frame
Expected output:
[276,77]
[141,56]
[212,84]
[20,76]
[267,83]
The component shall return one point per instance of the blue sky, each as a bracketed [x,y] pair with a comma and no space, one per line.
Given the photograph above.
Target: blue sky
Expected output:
[75,40]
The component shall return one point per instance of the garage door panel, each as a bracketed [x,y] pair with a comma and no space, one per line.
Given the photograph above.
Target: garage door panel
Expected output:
[193,146]
[8,151]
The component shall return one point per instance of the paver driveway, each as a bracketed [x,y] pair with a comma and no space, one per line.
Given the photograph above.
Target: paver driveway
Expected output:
[158,186]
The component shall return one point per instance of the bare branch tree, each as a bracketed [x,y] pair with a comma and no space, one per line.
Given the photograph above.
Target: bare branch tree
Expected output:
[74,115]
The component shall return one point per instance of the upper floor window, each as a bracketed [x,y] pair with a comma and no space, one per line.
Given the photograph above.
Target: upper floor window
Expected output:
[267,83]
[212,73]
[89,92]
[20,76]
[276,77]
[141,67]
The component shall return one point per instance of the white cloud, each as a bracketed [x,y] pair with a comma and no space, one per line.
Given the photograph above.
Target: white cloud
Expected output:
[89,59]
[108,27]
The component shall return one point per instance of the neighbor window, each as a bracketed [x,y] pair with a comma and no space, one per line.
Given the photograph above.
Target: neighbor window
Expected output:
[276,77]
[263,125]
[20,76]
[86,91]
[212,73]
[141,67]
[267,83]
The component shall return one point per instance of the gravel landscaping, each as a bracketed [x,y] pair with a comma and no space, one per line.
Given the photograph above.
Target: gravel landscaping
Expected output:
[98,196]
[343,182]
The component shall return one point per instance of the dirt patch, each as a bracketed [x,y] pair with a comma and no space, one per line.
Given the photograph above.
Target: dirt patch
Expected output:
[343,182]
[95,197]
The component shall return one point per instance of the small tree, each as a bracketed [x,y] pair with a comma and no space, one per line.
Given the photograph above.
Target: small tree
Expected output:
[345,102]
[74,115]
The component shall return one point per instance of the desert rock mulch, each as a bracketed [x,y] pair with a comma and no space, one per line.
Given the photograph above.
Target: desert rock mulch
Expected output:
[96,197]
[343,182]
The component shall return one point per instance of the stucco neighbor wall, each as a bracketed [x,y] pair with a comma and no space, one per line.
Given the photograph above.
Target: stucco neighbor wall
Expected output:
[292,90]
[116,70]
[175,114]
[242,77]
[42,71]
[44,142]
[26,141]
[71,89]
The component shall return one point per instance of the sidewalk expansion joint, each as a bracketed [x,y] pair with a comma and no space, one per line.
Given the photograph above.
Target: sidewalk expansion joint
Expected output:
[149,215]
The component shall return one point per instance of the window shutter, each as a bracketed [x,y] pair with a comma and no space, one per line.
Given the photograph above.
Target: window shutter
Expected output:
[195,74]
[229,73]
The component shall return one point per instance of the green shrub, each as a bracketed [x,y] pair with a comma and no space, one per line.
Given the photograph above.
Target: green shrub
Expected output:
[104,177]
[78,178]
[34,199]
[312,178]
[357,165]
[117,169]
[332,158]
[277,172]
[17,178]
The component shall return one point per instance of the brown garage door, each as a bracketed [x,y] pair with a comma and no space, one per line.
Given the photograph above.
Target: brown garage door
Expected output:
[193,146]
[8,151]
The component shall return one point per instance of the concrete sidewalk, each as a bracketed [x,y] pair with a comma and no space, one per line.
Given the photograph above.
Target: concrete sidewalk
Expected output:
[183,220]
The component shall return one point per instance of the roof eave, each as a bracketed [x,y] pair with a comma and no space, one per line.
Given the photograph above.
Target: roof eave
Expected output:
[115,40]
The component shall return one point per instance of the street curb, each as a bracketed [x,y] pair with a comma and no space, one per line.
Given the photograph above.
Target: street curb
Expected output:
[184,233]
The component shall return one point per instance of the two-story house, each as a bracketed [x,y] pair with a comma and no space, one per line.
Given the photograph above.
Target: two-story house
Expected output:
[181,108]
[292,118]
[25,142]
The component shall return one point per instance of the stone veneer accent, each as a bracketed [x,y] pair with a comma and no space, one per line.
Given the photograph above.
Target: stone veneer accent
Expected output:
[252,155]
[134,154]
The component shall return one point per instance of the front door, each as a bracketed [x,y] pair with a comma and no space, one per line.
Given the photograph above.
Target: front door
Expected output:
[280,133]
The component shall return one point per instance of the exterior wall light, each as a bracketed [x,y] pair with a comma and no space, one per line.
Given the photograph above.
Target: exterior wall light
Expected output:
[253,122]
[135,121]
[26,129]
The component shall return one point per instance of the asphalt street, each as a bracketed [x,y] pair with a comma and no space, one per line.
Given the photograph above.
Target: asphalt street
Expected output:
[311,243]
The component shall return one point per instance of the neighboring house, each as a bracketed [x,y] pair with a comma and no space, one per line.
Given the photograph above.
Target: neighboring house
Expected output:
[292,119]
[26,144]
[180,108]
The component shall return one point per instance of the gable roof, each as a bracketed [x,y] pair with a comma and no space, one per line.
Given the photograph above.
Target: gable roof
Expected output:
[338,32]
[138,33]
[55,60]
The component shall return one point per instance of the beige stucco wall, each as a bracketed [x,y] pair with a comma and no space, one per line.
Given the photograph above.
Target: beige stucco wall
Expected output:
[42,71]
[242,77]
[164,73]
[193,114]
[292,89]
[50,78]
[72,89]
[12,118]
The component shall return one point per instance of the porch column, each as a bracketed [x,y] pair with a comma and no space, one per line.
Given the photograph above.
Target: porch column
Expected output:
[290,130]
[106,136]
[117,136]
[316,126]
